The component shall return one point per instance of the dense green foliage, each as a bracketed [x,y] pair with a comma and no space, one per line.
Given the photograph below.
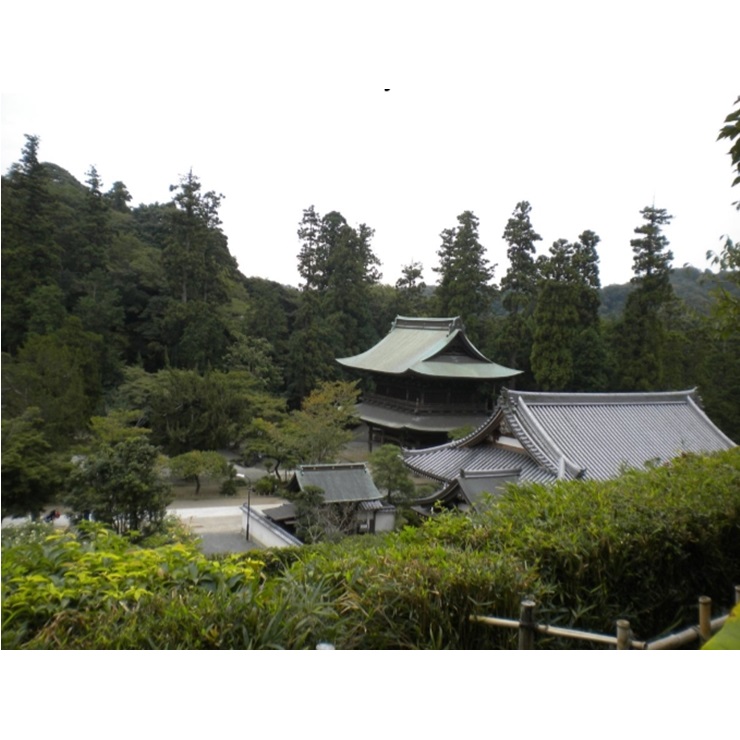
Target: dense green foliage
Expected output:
[59,587]
[31,472]
[640,547]
[195,464]
[391,475]
[731,131]
[120,484]
[643,328]
[567,348]
[519,292]
[465,277]
[338,269]
[315,433]
[693,287]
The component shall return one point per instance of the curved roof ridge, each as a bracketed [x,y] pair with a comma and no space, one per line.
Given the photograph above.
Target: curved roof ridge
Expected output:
[424,450]
[573,397]
[332,466]
[535,439]
[528,443]
[693,401]
[481,432]
[433,323]
[421,471]
[483,473]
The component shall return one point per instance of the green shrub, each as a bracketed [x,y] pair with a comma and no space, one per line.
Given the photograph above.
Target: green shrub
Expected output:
[288,614]
[267,486]
[641,547]
[395,594]
[93,569]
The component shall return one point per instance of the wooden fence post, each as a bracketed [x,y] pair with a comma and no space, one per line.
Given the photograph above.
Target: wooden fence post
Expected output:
[737,594]
[526,625]
[624,642]
[705,618]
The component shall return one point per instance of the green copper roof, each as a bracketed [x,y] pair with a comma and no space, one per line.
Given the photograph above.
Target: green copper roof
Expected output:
[433,347]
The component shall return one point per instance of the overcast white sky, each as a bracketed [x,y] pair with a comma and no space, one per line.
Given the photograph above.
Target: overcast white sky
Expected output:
[588,110]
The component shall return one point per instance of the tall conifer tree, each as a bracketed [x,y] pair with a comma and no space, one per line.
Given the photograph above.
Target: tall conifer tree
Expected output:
[464,287]
[567,350]
[519,289]
[411,290]
[589,351]
[555,319]
[641,338]
[338,268]
[196,253]
[30,255]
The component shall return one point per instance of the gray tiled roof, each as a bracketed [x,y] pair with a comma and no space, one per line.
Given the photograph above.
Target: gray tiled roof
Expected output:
[280,513]
[392,419]
[602,433]
[473,485]
[446,462]
[342,482]
[422,346]
[570,435]
[371,505]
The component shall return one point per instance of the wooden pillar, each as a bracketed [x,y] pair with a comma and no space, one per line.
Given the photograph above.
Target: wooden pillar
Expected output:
[705,618]
[526,625]
[624,642]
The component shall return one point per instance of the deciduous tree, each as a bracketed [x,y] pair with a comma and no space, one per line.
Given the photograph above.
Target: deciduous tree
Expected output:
[313,434]
[32,474]
[188,411]
[195,464]
[59,373]
[731,131]
[391,474]
[317,521]
[120,485]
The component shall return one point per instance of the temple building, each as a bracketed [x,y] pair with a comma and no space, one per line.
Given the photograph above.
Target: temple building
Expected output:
[544,437]
[424,380]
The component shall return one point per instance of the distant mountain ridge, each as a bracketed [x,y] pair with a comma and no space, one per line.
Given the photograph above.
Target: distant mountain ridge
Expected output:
[691,285]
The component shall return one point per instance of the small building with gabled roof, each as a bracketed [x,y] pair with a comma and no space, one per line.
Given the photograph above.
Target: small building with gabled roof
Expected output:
[345,484]
[543,437]
[341,482]
[426,378]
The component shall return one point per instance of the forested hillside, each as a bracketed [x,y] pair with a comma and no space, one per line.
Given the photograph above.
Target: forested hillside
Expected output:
[696,288]
[131,327]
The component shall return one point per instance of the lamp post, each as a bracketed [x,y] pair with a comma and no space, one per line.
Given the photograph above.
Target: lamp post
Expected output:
[249,501]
